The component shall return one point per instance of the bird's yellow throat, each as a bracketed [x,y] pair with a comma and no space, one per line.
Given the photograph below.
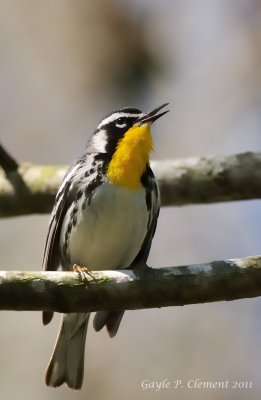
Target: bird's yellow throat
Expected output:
[130,157]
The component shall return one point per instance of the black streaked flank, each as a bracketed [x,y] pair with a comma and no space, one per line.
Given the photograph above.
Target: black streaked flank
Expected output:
[79,194]
[93,184]
[148,181]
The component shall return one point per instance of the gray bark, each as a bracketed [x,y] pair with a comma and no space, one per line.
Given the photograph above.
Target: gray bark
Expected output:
[30,188]
[131,289]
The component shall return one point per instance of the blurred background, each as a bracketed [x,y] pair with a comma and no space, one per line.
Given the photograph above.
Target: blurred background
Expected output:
[64,65]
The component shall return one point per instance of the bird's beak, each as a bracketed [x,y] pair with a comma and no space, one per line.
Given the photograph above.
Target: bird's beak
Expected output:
[152,115]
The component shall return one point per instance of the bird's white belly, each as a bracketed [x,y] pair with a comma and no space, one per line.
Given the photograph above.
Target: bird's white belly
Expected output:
[110,230]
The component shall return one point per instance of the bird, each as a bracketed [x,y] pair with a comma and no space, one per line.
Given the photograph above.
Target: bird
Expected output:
[104,217]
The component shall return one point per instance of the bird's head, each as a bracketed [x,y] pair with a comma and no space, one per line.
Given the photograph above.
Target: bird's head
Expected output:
[125,137]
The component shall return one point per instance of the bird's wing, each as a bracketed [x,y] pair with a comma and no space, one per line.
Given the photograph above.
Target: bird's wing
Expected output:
[67,193]
[153,204]
[51,258]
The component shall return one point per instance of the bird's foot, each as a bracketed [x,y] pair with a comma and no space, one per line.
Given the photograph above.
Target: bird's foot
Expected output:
[83,271]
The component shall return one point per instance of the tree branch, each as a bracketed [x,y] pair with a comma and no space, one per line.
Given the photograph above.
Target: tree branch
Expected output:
[189,181]
[131,289]
[7,162]
[209,179]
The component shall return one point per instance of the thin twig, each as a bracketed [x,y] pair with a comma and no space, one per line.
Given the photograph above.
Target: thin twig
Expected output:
[7,162]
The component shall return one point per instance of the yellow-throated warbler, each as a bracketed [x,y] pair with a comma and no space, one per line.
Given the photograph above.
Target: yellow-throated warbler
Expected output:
[105,216]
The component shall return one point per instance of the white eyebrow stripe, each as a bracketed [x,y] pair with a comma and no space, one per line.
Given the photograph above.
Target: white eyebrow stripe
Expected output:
[117,115]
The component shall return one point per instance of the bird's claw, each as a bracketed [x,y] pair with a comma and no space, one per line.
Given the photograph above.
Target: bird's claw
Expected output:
[83,271]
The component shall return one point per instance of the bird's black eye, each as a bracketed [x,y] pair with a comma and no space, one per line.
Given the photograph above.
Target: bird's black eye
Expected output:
[121,123]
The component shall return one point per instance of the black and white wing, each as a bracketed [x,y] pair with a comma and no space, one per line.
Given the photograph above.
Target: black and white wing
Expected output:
[52,257]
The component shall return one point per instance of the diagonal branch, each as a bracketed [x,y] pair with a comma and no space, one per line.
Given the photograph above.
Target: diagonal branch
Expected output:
[188,181]
[7,162]
[131,289]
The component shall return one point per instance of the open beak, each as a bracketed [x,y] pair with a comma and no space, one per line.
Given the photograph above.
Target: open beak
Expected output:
[152,115]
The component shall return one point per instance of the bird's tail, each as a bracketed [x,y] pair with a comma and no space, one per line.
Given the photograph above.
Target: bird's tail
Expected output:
[110,319]
[67,361]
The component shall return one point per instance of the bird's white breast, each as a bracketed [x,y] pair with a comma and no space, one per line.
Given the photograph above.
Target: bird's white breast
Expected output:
[110,230]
